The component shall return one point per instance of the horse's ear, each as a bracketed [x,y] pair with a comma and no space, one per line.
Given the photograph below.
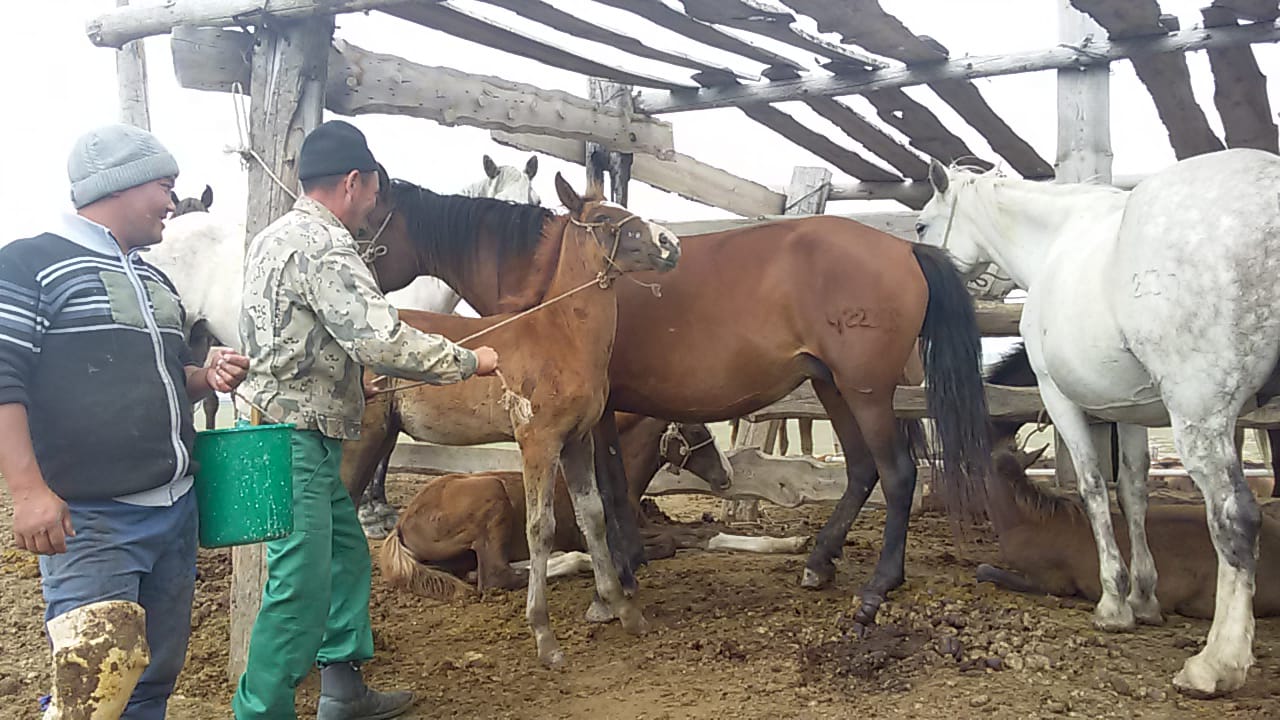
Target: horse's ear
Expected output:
[206,197]
[490,167]
[938,177]
[531,167]
[1027,459]
[173,197]
[571,199]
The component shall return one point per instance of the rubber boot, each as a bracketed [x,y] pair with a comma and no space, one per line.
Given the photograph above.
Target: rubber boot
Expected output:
[99,652]
[344,696]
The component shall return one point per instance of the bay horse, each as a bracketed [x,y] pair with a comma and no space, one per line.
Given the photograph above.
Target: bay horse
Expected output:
[468,522]
[1150,307]
[554,359]
[755,312]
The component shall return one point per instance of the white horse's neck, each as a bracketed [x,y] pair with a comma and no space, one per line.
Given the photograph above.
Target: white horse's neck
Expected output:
[1020,222]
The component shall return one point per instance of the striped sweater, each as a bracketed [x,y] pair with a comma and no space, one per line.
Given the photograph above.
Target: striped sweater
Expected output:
[91,342]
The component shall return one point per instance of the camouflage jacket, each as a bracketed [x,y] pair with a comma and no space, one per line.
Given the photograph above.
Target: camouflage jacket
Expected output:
[313,315]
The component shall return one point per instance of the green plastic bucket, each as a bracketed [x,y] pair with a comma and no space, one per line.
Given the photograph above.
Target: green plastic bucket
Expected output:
[244,484]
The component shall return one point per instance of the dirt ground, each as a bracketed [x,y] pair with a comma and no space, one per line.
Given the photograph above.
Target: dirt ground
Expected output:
[734,636]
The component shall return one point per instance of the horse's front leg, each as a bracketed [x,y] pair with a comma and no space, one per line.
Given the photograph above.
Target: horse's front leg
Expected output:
[540,453]
[1112,611]
[579,472]
[1234,522]
[1135,462]
[360,458]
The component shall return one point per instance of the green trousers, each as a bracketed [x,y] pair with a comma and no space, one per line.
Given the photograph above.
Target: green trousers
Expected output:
[315,606]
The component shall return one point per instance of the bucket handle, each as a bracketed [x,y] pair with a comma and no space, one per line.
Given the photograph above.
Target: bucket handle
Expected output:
[241,420]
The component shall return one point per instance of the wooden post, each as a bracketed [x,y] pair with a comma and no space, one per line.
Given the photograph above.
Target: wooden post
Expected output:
[287,84]
[1084,153]
[131,77]
[806,195]
[598,158]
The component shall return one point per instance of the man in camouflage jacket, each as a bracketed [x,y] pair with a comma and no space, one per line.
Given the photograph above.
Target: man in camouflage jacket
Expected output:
[313,315]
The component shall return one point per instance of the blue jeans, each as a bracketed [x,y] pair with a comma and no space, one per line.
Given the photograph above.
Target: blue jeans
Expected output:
[145,555]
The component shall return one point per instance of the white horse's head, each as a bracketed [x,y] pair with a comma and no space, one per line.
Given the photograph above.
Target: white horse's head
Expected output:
[507,182]
[960,228]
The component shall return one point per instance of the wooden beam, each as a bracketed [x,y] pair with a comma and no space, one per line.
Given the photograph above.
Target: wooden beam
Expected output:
[287,102]
[963,68]
[116,27]
[1251,9]
[131,78]
[617,97]
[553,17]
[771,22]
[871,137]
[446,17]
[1240,90]
[447,459]
[362,82]
[866,23]
[684,176]
[841,157]
[658,13]
[1166,75]
[1005,403]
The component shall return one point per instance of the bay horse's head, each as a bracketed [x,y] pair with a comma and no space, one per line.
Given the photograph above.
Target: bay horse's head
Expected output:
[959,227]
[190,205]
[632,243]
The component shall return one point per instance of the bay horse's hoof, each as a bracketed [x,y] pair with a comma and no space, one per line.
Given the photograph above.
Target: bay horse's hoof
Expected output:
[814,580]
[867,611]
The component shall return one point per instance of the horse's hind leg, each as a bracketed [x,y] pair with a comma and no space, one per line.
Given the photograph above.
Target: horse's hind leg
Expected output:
[1234,521]
[579,472]
[1112,611]
[1135,461]
[860,469]
[889,447]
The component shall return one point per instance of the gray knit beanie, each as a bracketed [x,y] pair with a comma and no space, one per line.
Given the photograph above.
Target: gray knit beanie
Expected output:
[115,158]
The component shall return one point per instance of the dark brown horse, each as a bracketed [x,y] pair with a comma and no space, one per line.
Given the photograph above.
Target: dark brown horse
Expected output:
[555,359]
[750,314]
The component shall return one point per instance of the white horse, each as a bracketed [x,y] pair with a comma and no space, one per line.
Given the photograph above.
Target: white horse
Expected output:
[1149,308]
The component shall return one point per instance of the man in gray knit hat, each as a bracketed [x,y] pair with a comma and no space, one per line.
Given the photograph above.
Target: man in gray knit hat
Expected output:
[96,387]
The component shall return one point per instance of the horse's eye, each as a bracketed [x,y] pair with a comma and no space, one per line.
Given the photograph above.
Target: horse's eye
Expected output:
[920,228]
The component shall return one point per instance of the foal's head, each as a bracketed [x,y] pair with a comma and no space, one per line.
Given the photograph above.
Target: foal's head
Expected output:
[633,243]
[691,447]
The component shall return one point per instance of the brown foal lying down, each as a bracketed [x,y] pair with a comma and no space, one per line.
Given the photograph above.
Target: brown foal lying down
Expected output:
[1047,546]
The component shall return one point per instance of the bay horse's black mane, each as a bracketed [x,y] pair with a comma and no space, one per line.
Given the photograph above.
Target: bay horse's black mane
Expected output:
[445,227]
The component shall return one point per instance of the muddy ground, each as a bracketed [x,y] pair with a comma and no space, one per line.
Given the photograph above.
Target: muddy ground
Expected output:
[734,637]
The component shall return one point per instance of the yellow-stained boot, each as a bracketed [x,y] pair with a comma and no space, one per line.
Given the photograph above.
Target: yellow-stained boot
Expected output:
[99,652]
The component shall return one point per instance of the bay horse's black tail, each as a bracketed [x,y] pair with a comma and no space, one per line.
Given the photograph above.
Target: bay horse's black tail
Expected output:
[952,348]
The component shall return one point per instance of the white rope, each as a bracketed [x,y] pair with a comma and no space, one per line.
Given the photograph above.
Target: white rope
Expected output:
[240,104]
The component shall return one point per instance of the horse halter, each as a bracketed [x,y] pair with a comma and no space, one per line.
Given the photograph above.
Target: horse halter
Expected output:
[370,250]
[607,275]
[672,433]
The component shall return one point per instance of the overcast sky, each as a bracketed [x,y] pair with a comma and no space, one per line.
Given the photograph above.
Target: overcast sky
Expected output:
[59,85]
